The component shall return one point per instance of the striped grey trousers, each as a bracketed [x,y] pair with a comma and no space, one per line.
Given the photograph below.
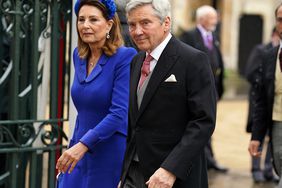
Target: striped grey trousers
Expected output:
[277,148]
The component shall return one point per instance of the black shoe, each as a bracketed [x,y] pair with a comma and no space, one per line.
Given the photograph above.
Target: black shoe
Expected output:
[270,176]
[258,176]
[218,168]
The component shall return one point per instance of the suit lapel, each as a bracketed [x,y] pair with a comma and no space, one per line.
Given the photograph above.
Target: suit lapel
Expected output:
[200,41]
[270,71]
[97,69]
[164,64]
[270,66]
[81,73]
[135,72]
[215,41]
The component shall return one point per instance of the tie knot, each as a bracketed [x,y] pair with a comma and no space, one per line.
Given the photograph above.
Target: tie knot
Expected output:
[145,69]
[209,36]
[146,65]
[148,58]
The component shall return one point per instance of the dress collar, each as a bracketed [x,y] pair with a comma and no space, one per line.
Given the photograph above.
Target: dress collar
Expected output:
[82,73]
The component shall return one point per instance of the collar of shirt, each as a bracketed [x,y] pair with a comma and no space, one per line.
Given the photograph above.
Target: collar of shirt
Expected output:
[157,52]
[204,32]
[280,44]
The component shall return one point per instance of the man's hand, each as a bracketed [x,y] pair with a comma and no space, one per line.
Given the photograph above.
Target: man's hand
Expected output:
[254,148]
[70,157]
[161,178]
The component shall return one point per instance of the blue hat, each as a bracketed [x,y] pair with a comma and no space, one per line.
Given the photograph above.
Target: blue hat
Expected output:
[109,4]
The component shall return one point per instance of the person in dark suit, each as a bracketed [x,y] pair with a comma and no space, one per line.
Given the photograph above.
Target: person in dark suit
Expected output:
[203,38]
[252,69]
[172,107]
[123,22]
[267,98]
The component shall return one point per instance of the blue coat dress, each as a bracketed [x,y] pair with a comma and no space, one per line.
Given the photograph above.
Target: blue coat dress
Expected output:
[101,100]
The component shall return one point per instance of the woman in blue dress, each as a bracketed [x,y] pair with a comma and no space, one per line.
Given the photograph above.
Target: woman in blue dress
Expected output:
[100,92]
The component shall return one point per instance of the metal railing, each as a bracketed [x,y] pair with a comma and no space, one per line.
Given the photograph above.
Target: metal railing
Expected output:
[34,89]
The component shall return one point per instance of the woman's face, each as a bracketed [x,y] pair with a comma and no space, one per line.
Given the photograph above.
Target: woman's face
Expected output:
[92,26]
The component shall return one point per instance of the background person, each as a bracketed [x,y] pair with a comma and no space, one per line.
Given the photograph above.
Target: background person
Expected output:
[267,111]
[203,38]
[252,69]
[121,4]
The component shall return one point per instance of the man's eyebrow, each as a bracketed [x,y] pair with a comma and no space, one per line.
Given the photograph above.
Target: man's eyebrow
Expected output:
[143,20]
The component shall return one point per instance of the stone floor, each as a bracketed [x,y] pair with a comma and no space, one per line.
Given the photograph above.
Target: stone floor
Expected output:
[230,143]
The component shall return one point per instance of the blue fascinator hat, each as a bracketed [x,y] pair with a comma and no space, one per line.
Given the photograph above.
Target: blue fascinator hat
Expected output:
[109,4]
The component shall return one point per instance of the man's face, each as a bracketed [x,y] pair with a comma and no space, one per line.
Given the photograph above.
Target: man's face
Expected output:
[279,21]
[209,21]
[146,29]
[275,39]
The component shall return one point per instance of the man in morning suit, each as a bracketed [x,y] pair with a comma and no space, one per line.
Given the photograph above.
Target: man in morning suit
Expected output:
[267,99]
[172,104]
[203,38]
[260,172]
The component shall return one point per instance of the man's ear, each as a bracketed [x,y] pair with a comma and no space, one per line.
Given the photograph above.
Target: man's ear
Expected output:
[167,23]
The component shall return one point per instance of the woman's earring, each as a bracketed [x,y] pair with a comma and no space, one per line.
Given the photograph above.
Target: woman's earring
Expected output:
[108,36]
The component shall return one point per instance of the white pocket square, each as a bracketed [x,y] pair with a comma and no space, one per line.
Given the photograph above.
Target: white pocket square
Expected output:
[171,78]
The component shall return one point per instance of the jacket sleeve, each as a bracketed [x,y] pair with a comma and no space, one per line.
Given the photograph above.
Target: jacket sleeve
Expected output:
[259,101]
[201,104]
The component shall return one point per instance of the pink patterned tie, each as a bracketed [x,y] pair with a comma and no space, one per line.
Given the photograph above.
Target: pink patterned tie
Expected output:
[145,70]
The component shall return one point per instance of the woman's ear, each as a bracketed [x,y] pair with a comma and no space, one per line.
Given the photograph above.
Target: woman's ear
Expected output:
[110,25]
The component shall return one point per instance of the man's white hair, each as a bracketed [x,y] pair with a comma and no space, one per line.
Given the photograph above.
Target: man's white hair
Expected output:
[162,7]
[203,11]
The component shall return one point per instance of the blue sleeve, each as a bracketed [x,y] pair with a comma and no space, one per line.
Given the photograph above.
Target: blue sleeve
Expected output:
[117,118]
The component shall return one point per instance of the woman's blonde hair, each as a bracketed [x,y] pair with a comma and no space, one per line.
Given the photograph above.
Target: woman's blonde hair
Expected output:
[112,43]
